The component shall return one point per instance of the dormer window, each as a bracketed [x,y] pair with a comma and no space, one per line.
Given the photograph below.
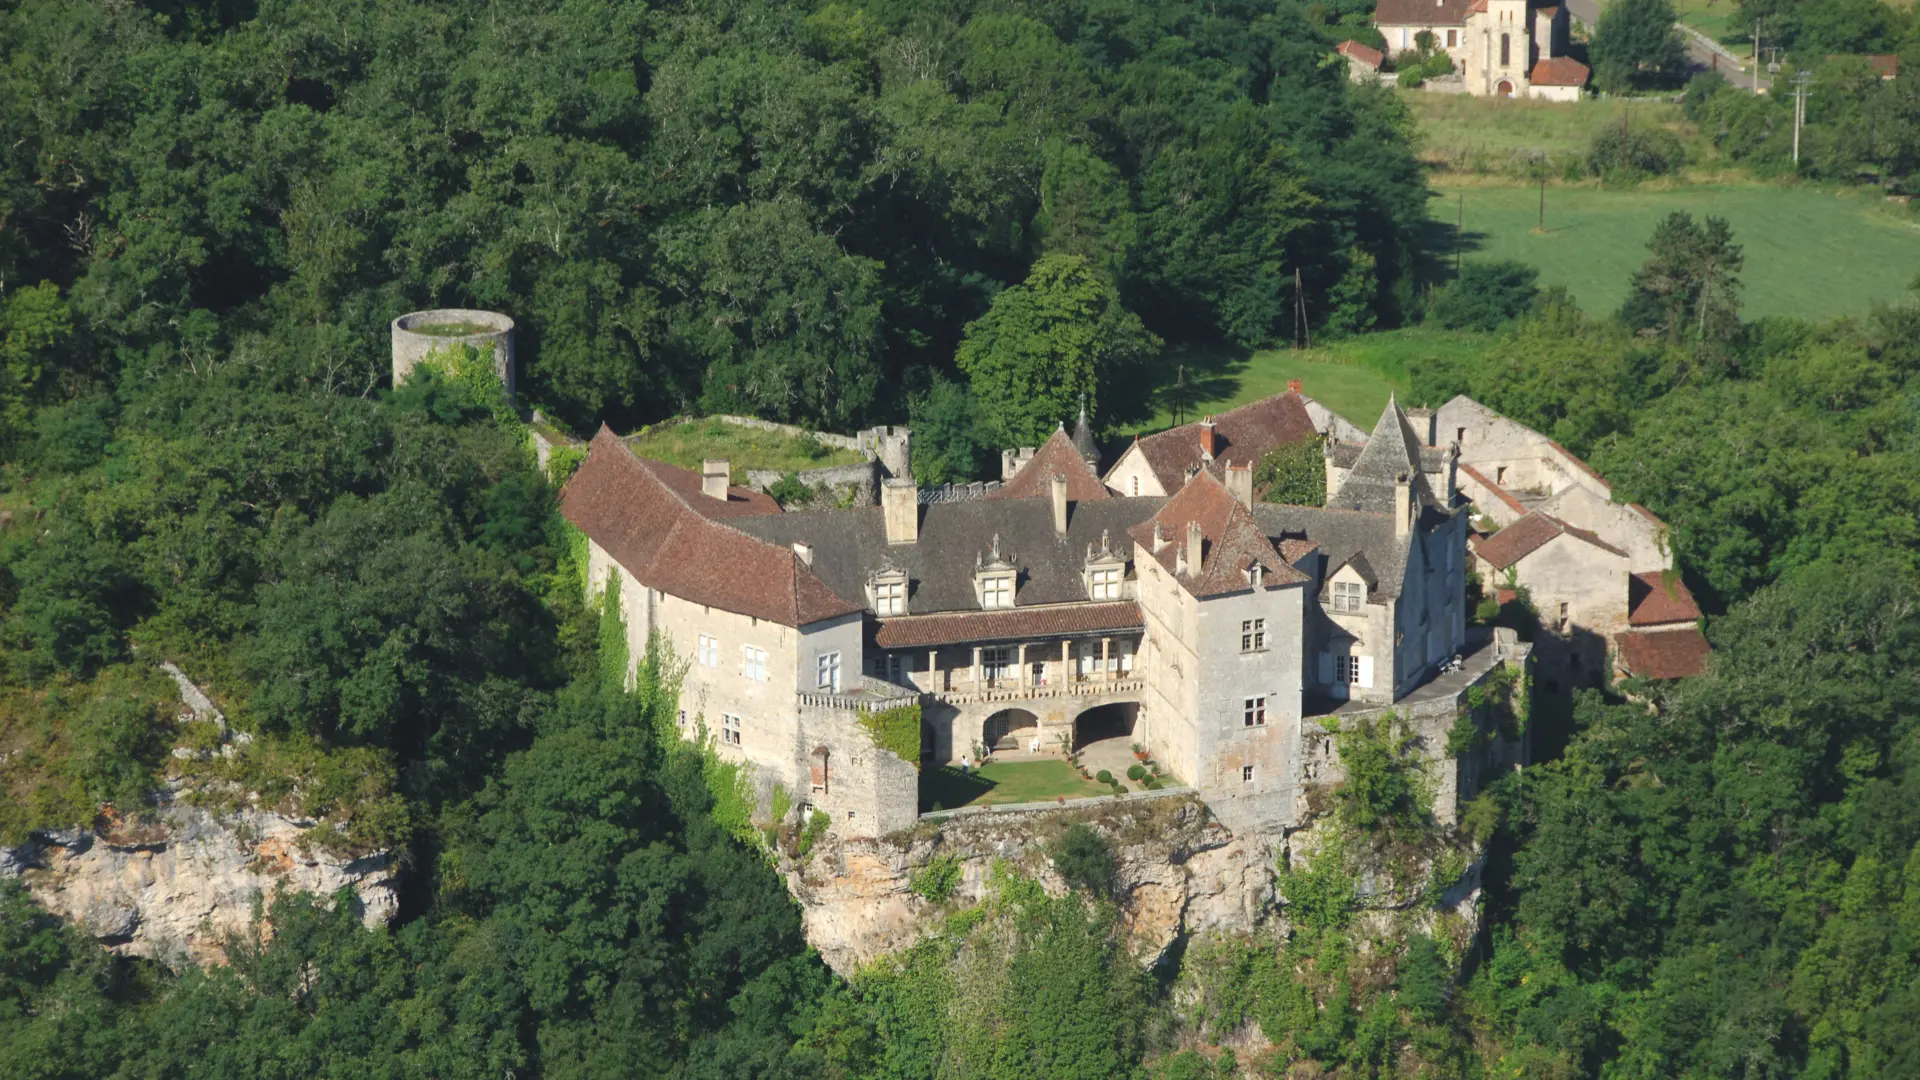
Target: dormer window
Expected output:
[1105,572]
[994,578]
[887,592]
[1104,583]
[996,591]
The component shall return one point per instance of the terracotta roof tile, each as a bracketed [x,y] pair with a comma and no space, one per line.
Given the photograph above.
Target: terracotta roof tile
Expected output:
[1420,13]
[641,513]
[1244,434]
[1353,50]
[1234,541]
[1053,620]
[1655,598]
[1499,492]
[1057,456]
[1530,534]
[1662,654]
[1559,71]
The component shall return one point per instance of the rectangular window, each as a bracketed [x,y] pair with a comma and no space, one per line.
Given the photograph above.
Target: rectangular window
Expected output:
[996,592]
[1133,485]
[1348,596]
[890,598]
[709,651]
[1246,774]
[1106,584]
[1255,714]
[1453,38]
[729,729]
[997,666]
[1253,635]
[681,720]
[1563,616]
[830,672]
[755,662]
[1346,669]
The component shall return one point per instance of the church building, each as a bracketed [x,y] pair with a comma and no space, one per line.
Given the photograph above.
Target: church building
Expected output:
[1503,48]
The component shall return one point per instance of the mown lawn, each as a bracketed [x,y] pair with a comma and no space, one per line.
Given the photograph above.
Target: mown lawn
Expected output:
[1462,134]
[999,782]
[686,445]
[1810,253]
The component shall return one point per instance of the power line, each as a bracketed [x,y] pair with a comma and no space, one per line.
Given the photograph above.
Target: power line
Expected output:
[1801,81]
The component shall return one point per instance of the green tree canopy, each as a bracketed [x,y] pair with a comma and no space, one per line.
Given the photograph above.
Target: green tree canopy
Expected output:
[1635,44]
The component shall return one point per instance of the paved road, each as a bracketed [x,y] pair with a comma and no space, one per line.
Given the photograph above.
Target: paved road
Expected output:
[1703,58]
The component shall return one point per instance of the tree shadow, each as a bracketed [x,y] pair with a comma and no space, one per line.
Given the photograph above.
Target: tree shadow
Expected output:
[944,787]
[1175,384]
[1440,243]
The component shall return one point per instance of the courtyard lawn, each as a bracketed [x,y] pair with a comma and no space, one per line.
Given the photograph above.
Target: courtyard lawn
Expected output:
[998,782]
[686,445]
[1810,253]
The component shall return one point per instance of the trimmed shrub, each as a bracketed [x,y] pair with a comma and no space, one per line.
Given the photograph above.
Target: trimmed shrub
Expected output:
[1104,776]
[1135,772]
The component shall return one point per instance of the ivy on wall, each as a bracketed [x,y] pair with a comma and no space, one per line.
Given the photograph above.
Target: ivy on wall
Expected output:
[896,731]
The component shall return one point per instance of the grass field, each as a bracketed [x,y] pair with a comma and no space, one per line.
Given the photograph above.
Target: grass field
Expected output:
[998,782]
[686,445]
[1810,253]
[1462,134]
[1718,19]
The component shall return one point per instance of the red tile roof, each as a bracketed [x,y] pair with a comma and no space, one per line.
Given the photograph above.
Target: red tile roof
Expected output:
[1420,13]
[1530,534]
[1242,435]
[1353,50]
[1655,598]
[1662,654]
[1053,620]
[1234,541]
[1499,492]
[1559,71]
[651,519]
[1057,456]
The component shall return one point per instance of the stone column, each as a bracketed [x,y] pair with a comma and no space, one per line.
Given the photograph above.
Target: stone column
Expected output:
[976,670]
[1106,659]
[1066,663]
[1023,666]
[934,685]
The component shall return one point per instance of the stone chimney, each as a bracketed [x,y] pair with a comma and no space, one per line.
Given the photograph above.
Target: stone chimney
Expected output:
[900,503]
[805,551]
[1240,483]
[715,475]
[1206,439]
[1195,539]
[1159,537]
[1058,489]
[1422,422]
[1402,505]
[1295,386]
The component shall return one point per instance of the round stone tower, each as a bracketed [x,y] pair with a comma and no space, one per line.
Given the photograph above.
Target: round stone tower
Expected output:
[418,333]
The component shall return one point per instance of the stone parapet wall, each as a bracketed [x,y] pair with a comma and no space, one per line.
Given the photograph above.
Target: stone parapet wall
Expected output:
[857,484]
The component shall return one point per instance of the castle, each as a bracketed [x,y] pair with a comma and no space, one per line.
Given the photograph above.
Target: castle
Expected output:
[1161,604]
[1503,48]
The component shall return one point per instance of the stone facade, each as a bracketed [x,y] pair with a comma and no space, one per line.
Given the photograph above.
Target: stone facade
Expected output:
[411,343]
[1502,48]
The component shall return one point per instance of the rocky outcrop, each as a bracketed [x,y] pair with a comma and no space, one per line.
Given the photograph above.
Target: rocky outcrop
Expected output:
[1177,871]
[180,879]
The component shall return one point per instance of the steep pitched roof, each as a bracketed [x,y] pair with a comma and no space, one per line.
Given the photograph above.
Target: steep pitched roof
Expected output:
[1392,451]
[1559,71]
[1662,654]
[1420,13]
[1530,534]
[1083,438]
[1655,598]
[1233,542]
[1056,456]
[650,518]
[1244,434]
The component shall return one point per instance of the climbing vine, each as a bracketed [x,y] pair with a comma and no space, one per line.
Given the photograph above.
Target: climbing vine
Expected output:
[896,731]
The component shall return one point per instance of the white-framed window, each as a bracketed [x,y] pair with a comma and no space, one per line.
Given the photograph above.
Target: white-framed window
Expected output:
[754,661]
[1246,774]
[708,651]
[997,665]
[1353,670]
[1255,713]
[1105,583]
[829,669]
[1348,596]
[1253,635]
[729,729]
[996,591]
[890,598]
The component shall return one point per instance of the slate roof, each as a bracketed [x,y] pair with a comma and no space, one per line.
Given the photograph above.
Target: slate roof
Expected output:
[1420,13]
[1234,540]
[1083,439]
[1365,540]
[1559,71]
[1244,434]
[1662,654]
[1392,451]
[1530,534]
[1054,620]
[849,545]
[1656,598]
[1057,456]
[652,519]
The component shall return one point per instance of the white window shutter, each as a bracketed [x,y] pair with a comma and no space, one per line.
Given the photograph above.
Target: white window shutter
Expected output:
[1326,669]
[1366,672]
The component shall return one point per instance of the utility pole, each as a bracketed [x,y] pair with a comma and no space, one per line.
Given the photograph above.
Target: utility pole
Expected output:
[1305,335]
[1756,58]
[1543,199]
[1459,233]
[1801,81]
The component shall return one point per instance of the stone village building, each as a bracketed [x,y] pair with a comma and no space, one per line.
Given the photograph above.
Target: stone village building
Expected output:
[1189,618]
[1502,48]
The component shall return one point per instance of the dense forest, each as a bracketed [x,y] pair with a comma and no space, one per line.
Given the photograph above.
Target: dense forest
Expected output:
[839,213]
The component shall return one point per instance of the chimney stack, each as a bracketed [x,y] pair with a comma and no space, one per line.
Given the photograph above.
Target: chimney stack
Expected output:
[1206,439]
[1159,537]
[1058,489]
[1402,505]
[1295,386]
[715,475]
[900,503]
[805,551]
[1195,538]
[1240,483]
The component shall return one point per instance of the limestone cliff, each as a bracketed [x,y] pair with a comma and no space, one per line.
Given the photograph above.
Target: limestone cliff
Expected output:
[177,881]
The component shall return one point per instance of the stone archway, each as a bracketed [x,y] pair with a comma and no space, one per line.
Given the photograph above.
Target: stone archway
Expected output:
[1102,722]
[1009,729]
[1504,89]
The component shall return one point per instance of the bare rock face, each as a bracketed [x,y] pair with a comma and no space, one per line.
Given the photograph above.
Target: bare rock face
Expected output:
[1177,871]
[186,879]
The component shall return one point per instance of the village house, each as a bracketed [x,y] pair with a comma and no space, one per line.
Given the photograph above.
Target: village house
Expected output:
[1191,619]
[1502,48]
